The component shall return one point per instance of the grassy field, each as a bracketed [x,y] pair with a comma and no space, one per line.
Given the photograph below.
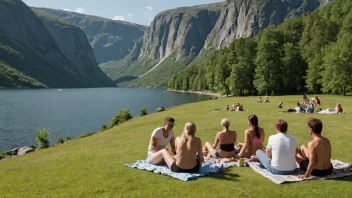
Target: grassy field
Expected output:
[94,166]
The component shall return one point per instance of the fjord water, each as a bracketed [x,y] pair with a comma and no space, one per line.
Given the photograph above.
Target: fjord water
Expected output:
[72,112]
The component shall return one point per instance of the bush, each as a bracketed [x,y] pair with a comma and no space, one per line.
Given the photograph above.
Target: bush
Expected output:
[144,111]
[103,128]
[85,135]
[68,138]
[121,116]
[42,139]
[60,140]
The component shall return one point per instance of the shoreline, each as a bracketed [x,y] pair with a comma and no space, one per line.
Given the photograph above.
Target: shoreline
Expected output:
[209,93]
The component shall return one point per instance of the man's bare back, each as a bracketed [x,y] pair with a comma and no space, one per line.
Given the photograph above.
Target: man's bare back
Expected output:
[320,148]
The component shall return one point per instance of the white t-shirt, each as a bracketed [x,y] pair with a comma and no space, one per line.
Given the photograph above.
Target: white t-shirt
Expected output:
[283,151]
[162,141]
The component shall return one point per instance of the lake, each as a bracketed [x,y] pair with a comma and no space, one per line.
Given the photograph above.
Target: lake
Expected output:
[72,112]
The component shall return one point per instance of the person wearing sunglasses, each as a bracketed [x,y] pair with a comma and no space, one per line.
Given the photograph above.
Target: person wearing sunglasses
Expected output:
[159,139]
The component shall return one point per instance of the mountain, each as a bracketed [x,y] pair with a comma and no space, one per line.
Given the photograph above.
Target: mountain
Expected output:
[177,37]
[245,18]
[110,39]
[29,50]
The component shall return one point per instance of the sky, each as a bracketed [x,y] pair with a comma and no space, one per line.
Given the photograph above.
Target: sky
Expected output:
[135,11]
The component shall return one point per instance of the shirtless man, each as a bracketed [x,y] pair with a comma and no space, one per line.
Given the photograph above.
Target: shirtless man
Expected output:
[315,158]
[160,138]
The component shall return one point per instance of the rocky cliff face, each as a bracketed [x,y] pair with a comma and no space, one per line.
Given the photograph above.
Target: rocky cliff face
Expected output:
[110,40]
[244,18]
[31,50]
[182,31]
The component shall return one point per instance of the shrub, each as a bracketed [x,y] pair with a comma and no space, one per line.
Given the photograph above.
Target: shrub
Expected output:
[121,116]
[60,140]
[144,111]
[85,135]
[103,128]
[68,138]
[42,139]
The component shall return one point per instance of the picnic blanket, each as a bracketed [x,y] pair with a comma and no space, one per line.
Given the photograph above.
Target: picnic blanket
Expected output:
[221,162]
[206,169]
[341,169]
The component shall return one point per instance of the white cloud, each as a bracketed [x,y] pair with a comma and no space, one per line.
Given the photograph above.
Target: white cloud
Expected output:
[149,8]
[130,15]
[66,9]
[119,18]
[80,10]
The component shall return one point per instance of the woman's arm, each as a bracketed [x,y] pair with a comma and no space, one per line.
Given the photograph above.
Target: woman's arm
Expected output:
[216,141]
[262,136]
[200,152]
[246,144]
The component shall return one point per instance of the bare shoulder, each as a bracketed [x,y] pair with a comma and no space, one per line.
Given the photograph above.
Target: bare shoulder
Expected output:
[313,144]
[234,132]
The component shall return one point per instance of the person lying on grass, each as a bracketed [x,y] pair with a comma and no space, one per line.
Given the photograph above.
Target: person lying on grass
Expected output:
[315,158]
[159,139]
[254,138]
[187,147]
[280,153]
[227,140]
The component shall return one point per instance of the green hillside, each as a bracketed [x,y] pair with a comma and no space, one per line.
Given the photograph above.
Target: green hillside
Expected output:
[94,166]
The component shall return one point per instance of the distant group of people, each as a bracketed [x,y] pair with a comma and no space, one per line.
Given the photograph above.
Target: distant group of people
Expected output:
[310,106]
[235,107]
[280,156]
[266,99]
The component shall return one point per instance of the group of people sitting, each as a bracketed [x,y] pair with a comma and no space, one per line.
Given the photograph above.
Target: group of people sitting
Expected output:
[235,107]
[266,99]
[281,155]
[310,106]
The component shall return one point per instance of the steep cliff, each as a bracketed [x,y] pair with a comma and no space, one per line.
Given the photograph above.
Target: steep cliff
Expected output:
[176,35]
[29,48]
[111,40]
[245,18]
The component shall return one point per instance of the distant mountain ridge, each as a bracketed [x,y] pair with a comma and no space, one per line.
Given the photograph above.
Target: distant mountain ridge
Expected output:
[177,37]
[29,50]
[110,39]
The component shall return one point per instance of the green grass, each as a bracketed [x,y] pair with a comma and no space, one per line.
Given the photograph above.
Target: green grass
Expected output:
[94,166]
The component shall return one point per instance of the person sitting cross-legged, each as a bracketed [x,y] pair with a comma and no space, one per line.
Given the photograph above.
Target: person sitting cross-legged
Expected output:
[227,140]
[280,153]
[253,138]
[315,158]
[187,148]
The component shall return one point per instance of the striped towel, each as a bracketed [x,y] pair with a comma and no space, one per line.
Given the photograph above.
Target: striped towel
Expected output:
[341,169]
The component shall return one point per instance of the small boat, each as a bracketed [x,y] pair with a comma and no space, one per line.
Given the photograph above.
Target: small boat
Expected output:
[59,90]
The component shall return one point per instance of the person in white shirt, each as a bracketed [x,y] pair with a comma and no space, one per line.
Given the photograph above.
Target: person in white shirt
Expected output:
[159,139]
[281,151]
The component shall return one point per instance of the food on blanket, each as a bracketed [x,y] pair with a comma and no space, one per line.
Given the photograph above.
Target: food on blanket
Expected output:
[241,162]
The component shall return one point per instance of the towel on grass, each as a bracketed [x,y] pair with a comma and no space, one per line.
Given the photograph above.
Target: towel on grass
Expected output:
[341,169]
[223,162]
[204,170]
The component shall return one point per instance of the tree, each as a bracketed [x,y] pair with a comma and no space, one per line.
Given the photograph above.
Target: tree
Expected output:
[338,65]
[269,67]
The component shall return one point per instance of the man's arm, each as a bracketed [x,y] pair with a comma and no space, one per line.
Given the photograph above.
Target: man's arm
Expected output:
[311,157]
[172,143]
[154,144]
[268,148]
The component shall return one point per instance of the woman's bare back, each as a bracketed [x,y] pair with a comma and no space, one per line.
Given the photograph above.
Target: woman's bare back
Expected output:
[186,154]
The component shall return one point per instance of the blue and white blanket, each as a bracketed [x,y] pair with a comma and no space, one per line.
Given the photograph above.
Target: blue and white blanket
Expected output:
[206,169]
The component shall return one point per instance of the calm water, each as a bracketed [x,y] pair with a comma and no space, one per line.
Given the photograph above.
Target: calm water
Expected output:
[72,112]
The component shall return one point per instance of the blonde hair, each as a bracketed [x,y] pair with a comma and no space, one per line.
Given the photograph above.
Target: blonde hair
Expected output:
[225,122]
[190,130]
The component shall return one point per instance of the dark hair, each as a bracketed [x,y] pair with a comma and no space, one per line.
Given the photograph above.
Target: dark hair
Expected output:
[170,119]
[253,119]
[298,104]
[316,125]
[281,125]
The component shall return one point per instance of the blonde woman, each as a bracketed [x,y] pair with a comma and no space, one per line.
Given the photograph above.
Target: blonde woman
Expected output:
[227,140]
[187,147]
